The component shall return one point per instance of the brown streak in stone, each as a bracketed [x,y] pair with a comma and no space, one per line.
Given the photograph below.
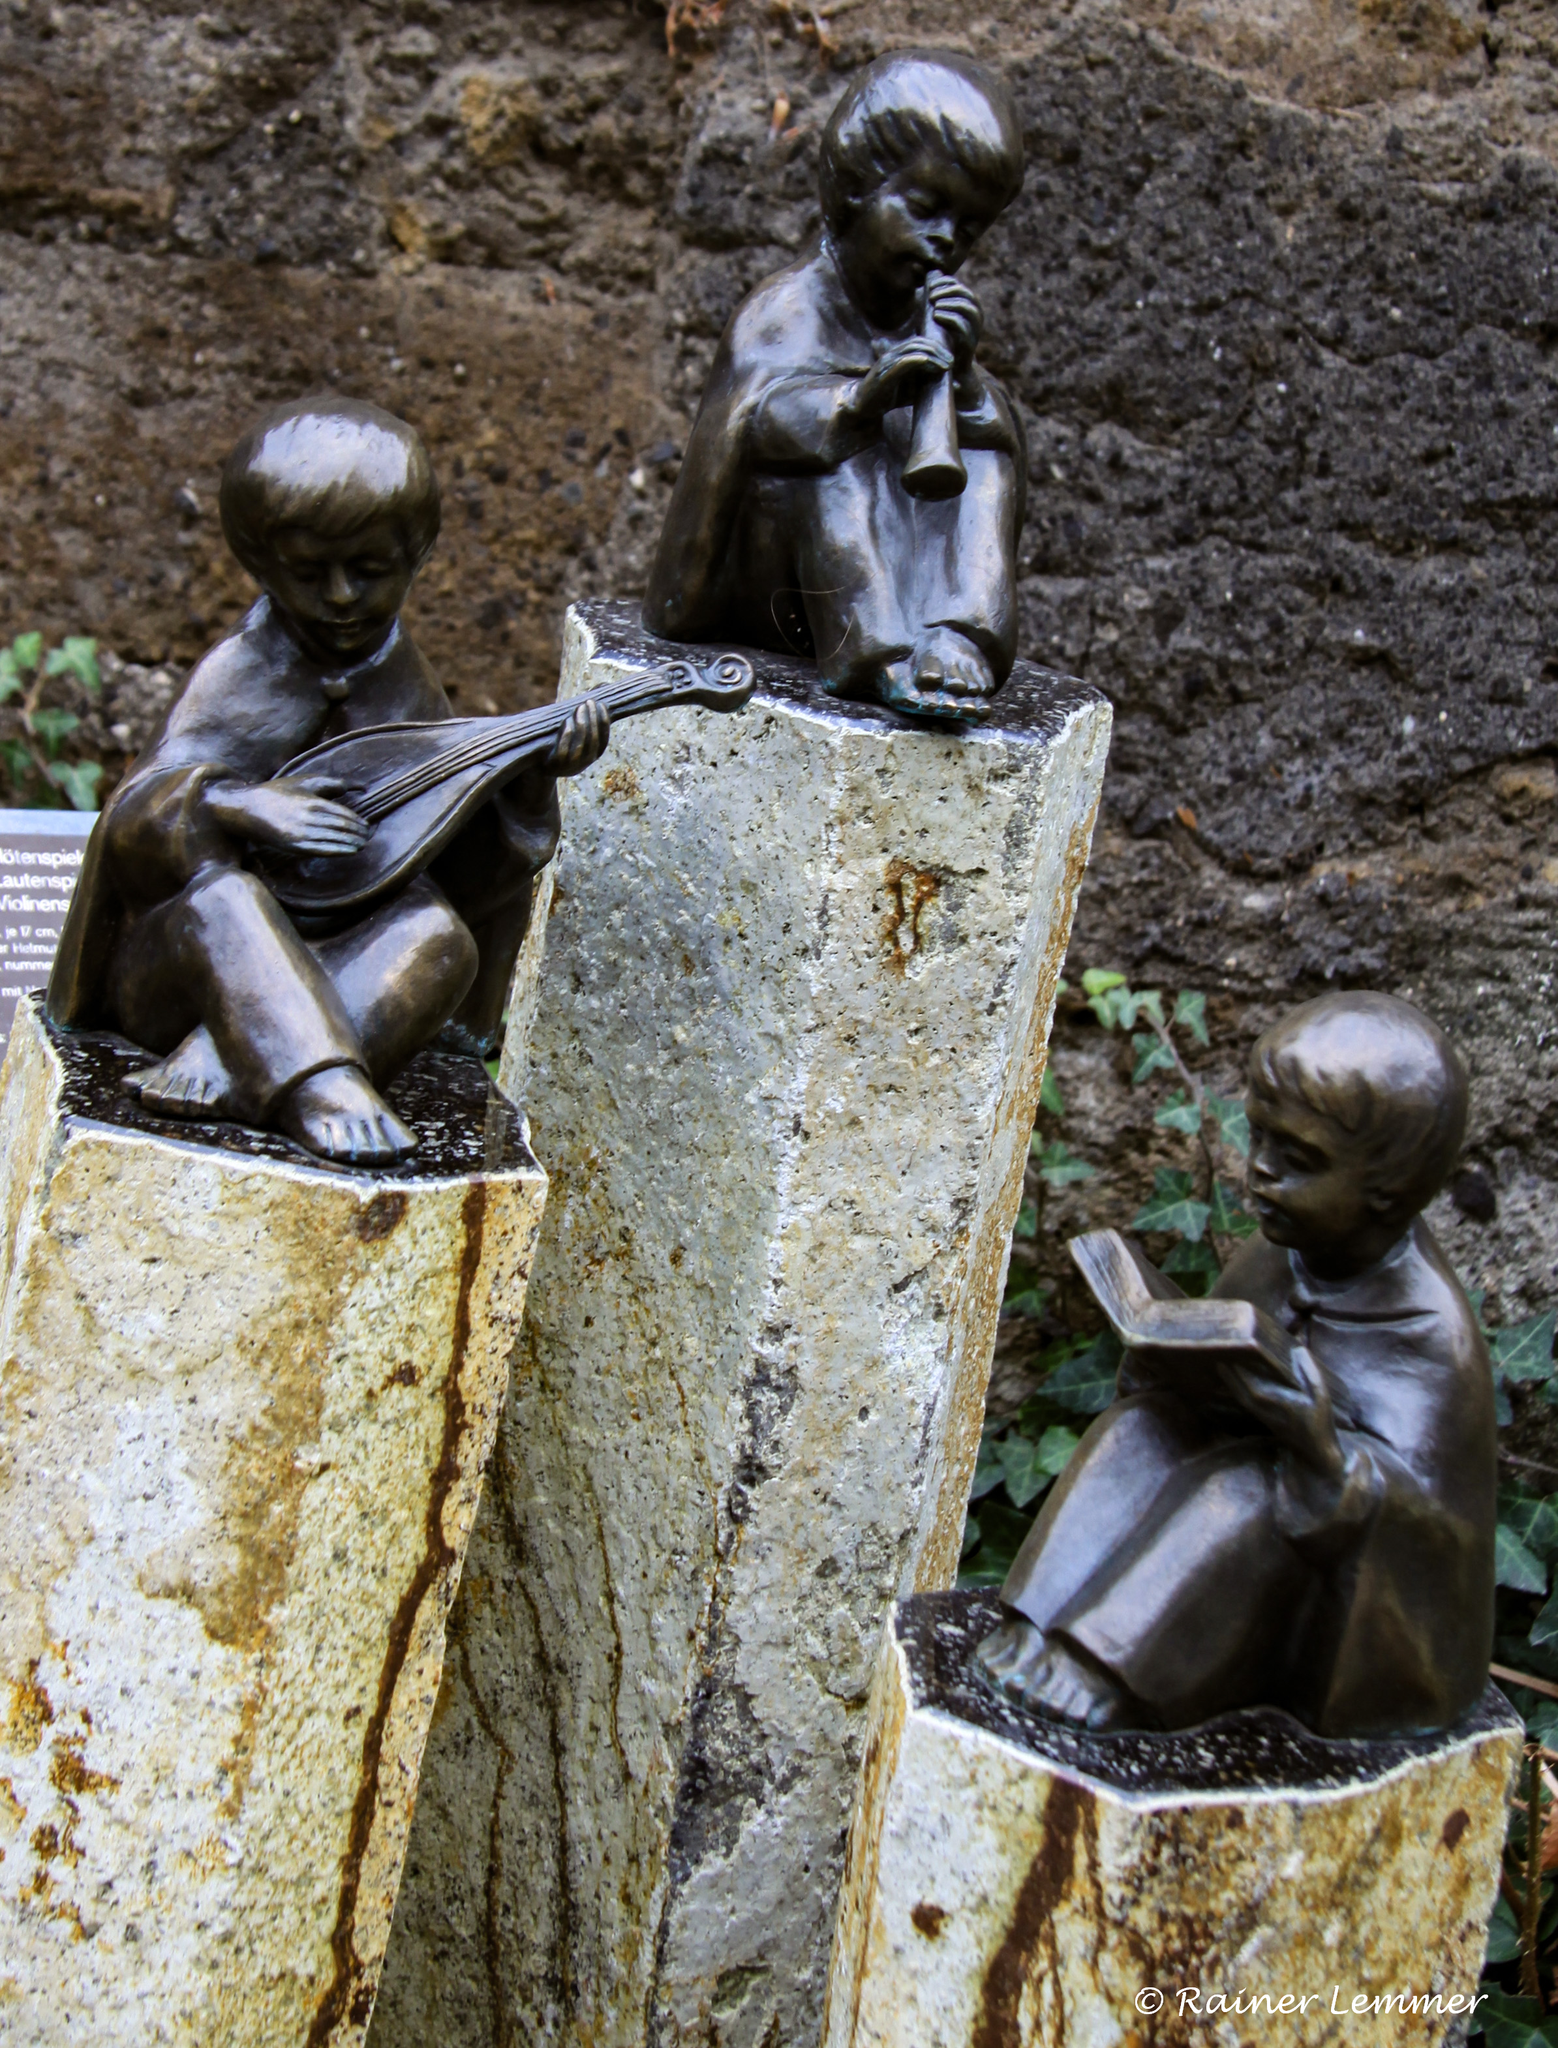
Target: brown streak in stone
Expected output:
[929,1920]
[10,1804]
[1032,1923]
[346,1995]
[1455,1826]
[909,889]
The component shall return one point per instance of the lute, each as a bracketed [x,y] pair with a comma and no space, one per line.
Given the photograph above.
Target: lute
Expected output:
[418,783]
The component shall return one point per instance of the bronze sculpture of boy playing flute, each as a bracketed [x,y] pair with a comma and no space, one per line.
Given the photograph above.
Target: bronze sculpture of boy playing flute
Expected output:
[855,483]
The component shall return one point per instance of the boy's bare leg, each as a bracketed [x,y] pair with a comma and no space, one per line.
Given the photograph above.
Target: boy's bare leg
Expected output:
[394,976]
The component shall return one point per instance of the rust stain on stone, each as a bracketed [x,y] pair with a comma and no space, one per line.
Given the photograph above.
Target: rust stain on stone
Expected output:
[621,783]
[1032,1925]
[908,890]
[350,1994]
[68,1773]
[929,1920]
[10,1805]
[31,1711]
[1455,1826]
[378,1217]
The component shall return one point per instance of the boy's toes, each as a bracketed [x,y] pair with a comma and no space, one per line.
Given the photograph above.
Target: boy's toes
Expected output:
[339,1114]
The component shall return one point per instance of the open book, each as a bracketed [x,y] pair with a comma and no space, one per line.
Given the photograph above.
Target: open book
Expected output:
[1147,1311]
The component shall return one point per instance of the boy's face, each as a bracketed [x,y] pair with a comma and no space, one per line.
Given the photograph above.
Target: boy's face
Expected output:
[926,217]
[342,592]
[1309,1187]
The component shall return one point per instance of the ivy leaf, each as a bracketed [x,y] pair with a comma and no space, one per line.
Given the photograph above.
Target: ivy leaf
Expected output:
[1192,1263]
[1545,1627]
[1151,1055]
[1097,981]
[25,650]
[10,675]
[1190,1011]
[1025,1477]
[76,656]
[1170,1206]
[988,1474]
[1229,1217]
[1524,1351]
[52,725]
[1058,1167]
[1027,1224]
[1233,1125]
[1515,2023]
[1535,1522]
[1054,1449]
[1027,1301]
[1001,1533]
[1503,1934]
[79,780]
[1049,1092]
[18,761]
[1085,1382]
[1179,1113]
[1514,1566]
[1503,1407]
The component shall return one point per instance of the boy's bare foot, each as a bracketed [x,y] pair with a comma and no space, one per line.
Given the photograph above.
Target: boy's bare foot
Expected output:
[1049,1678]
[192,1081]
[339,1114]
[947,663]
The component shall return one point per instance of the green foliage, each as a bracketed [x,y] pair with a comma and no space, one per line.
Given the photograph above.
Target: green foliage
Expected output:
[79,780]
[1172,1206]
[1514,1565]
[1232,1124]
[76,656]
[1190,1014]
[1153,1056]
[1084,1381]
[1179,1113]
[34,740]
[1049,1093]
[53,726]
[1058,1166]
[1516,2023]
[1524,1351]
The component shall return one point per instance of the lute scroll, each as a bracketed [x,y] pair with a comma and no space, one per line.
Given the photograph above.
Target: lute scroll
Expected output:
[418,784]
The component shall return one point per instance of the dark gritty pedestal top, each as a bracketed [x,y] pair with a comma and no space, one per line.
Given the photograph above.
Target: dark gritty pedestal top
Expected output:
[1033,705]
[462,1123]
[1259,1750]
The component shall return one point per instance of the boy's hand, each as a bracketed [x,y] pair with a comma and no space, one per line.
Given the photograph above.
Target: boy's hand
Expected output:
[898,376]
[293,814]
[958,314]
[582,739]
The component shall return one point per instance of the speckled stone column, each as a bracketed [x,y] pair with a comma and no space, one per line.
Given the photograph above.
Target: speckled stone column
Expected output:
[1014,1885]
[245,1403]
[796,992]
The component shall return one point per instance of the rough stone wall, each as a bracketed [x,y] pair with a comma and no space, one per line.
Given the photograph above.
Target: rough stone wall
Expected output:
[1277,304]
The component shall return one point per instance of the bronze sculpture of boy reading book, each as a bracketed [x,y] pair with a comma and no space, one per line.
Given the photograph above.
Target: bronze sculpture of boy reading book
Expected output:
[1291,1501]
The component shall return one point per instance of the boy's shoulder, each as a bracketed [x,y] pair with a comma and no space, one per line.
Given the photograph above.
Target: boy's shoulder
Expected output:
[801,307]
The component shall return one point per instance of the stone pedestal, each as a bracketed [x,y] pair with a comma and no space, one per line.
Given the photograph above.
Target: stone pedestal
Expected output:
[795,998]
[245,1403]
[1014,1885]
